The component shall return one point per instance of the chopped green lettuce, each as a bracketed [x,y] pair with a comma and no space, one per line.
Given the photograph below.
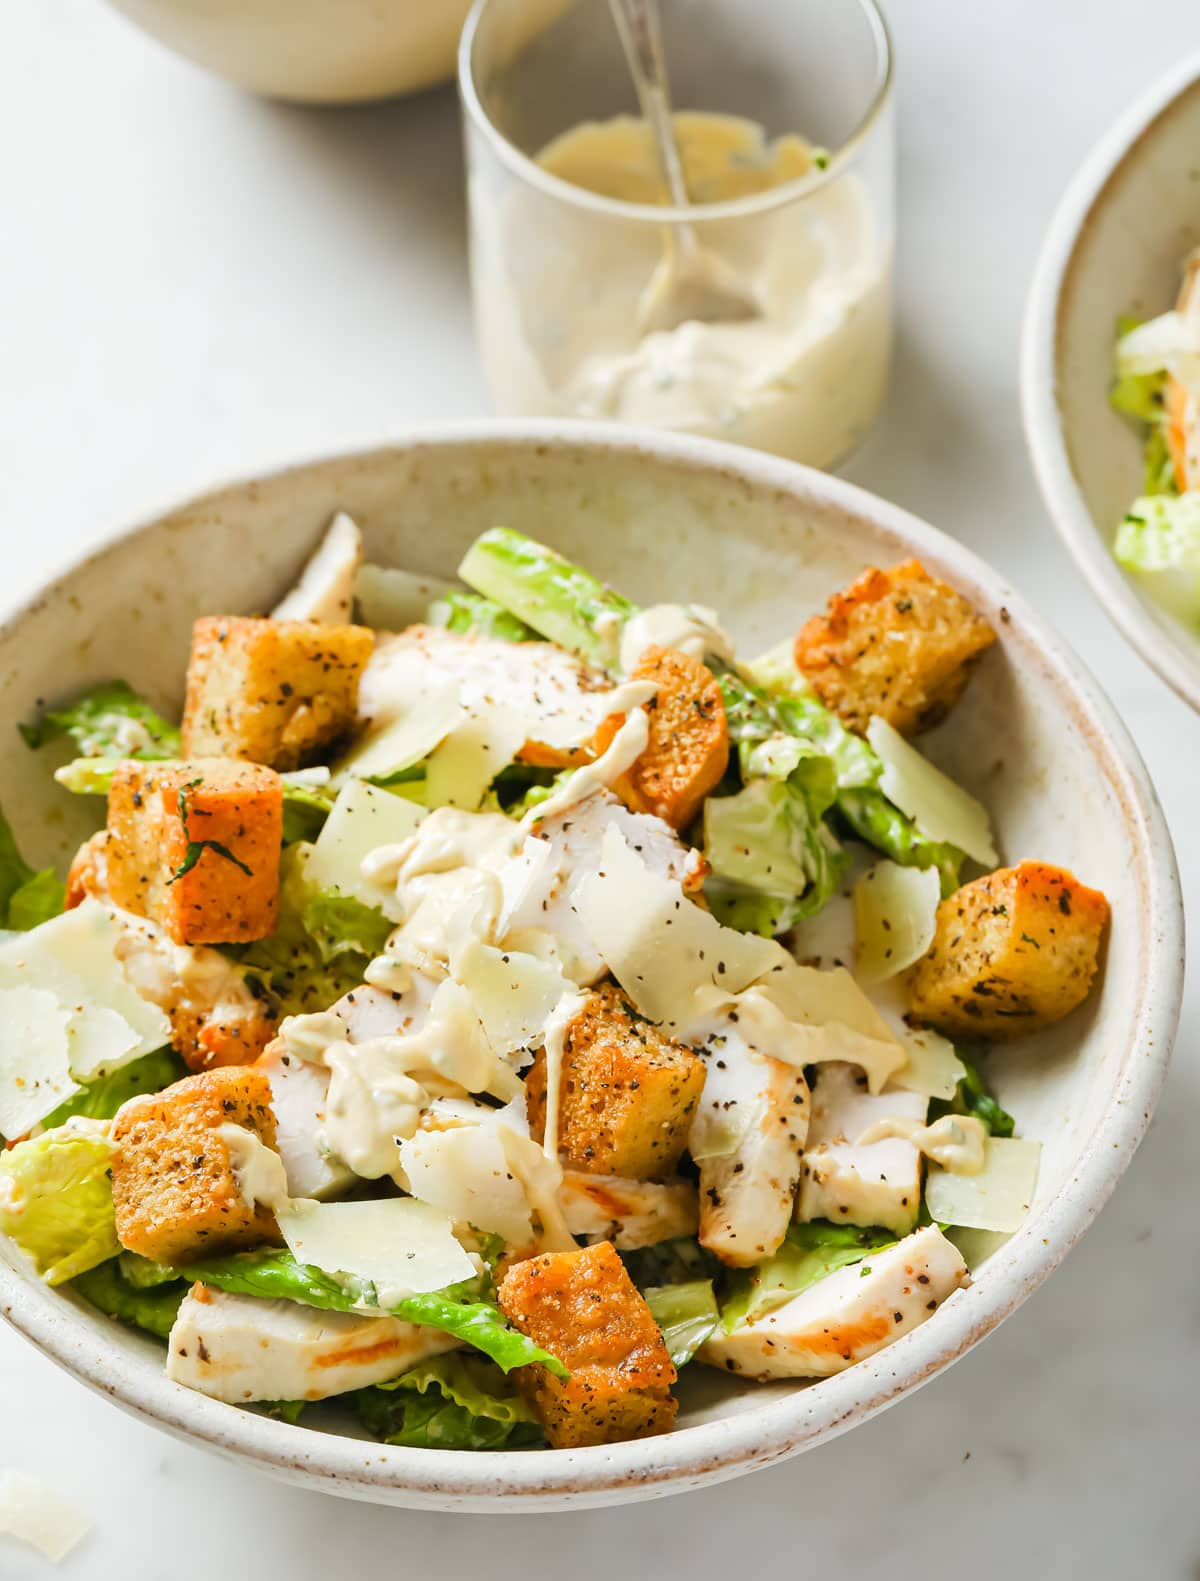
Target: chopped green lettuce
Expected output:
[680,1260]
[153,1308]
[1161,533]
[27,897]
[143,1273]
[276,1275]
[341,925]
[809,1252]
[301,971]
[100,1099]
[469,612]
[974,1096]
[111,720]
[56,1200]
[686,1313]
[449,1402]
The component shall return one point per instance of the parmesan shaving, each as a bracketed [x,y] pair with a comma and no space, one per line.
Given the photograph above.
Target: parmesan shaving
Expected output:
[941,809]
[35,1514]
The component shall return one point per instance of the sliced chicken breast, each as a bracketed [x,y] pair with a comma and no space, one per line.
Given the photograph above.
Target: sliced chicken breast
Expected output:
[843,1180]
[239,1348]
[847,1316]
[629,1213]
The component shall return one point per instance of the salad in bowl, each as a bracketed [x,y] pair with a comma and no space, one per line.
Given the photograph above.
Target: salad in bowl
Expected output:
[1157,385]
[494,998]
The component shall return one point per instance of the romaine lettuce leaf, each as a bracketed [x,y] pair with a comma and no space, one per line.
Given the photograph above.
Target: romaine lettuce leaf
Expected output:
[809,1252]
[300,971]
[153,1308]
[681,1260]
[1161,533]
[56,1199]
[687,1314]
[111,720]
[277,1275]
[467,612]
[974,1096]
[27,897]
[101,1099]
[449,1402]
[341,925]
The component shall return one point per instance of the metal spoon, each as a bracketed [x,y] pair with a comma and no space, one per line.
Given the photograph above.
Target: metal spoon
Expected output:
[690,282]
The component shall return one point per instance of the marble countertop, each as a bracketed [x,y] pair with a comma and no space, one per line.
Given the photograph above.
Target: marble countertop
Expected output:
[197,285]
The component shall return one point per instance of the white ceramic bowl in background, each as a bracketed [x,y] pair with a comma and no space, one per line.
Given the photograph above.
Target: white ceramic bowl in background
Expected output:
[1115,246]
[766,541]
[317,51]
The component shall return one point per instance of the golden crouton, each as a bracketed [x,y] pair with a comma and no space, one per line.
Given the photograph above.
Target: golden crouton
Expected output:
[898,643]
[689,738]
[271,691]
[195,846]
[1013,952]
[584,1309]
[174,1189]
[628,1092]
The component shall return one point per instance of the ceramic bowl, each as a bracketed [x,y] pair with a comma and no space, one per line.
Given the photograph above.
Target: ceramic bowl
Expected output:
[1114,247]
[310,50]
[766,541]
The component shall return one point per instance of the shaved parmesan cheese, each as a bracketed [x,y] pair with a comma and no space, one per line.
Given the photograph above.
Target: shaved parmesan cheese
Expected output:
[35,1070]
[462,768]
[824,1016]
[389,599]
[399,1245]
[411,715]
[659,946]
[73,957]
[464,1172]
[941,809]
[33,1513]
[998,1198]
[895,910]
[512,993]
[100,1040]
[325,591]
[932,1068]
[362,819]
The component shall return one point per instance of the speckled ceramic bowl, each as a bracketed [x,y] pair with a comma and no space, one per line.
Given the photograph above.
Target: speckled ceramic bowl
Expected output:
[1115,247]
[766,541]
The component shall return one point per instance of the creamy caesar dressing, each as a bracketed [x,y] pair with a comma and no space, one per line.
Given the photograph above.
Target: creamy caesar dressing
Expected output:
[557,288]
[957,1142]
[693,629]
[258,1171]
[618,758]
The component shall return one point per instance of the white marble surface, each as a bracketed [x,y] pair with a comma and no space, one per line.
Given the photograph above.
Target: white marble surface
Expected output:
[196,285]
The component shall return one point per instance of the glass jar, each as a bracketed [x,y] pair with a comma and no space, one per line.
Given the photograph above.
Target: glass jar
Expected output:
[560,270]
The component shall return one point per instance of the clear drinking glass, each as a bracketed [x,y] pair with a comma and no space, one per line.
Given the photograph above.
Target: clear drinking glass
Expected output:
[559,272]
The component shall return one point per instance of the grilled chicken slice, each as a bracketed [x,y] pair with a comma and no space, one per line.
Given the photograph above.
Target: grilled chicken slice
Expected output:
[239,1348]
[846,1316]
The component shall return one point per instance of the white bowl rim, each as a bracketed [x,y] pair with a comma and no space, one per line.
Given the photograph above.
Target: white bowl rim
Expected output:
[1039,402]
[495,1482]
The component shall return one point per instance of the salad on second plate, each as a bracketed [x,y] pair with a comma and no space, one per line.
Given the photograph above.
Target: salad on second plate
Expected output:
[1157,384]
[494,999]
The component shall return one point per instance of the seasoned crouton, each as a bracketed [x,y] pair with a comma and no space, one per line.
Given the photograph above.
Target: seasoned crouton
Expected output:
[195,846]
[628,1092]
[897,643]
[688,748]
[1013,952]
[174,1189]
[584,1309]
[271,691]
